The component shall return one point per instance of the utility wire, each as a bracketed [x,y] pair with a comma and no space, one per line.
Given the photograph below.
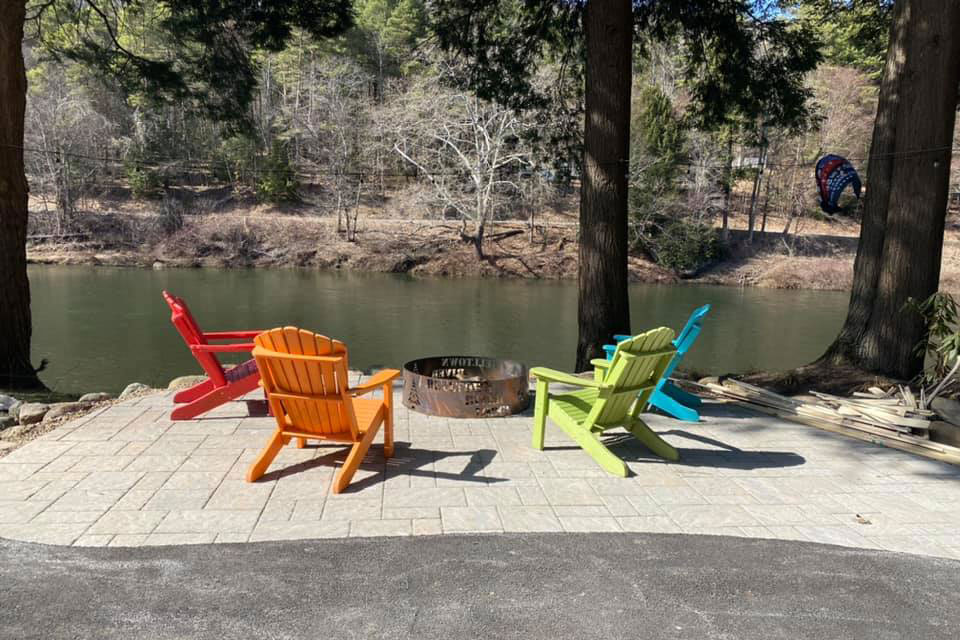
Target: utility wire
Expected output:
[157,162]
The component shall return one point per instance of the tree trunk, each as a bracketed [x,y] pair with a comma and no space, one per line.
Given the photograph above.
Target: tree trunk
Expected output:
[478,239]
[766,205]
[603,307]
[757,180]
[727,185]
[16,372]
[901,236]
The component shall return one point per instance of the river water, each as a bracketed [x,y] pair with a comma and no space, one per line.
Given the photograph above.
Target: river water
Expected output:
[103,327]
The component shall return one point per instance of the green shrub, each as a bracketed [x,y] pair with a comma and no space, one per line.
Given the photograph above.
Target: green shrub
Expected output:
[941,343]
[144,182]
[686,246]
[236,161]
[278,180]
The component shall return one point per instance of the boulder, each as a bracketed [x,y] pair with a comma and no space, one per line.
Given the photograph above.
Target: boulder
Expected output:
[185,382]
[60,409]
[32,412]
[134,389]
[6,402]
[6,422]
[945,432]
[947,409]
[99,396]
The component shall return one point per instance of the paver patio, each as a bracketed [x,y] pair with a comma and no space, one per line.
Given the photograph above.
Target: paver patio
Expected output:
[128,476]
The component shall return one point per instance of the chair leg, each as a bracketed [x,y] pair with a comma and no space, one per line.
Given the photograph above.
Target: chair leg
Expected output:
[215,398]
[269,404]
[354,458]
[597,450]
[388,421]
[652,441]
[681,396]
[301,443]
[196,391]
[266,456]
[540,415]
[668,405]
[201,405]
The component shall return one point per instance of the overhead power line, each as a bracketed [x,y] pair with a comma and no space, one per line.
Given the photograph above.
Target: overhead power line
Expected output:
[159,163]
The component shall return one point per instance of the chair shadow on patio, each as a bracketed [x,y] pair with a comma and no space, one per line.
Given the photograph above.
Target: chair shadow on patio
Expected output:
[406,460]
[721,455]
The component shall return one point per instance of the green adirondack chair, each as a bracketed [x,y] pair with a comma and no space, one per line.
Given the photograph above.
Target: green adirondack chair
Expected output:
[614,401]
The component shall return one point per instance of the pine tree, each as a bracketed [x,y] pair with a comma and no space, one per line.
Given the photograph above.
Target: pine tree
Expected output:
[854,34]
[659,134]
[207,59]
[404,28]
[738,57]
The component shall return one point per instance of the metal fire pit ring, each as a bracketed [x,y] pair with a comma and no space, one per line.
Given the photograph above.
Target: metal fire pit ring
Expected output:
[466,386]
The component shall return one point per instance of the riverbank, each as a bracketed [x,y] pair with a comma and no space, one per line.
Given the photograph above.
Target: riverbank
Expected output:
[282,240]
[129,233]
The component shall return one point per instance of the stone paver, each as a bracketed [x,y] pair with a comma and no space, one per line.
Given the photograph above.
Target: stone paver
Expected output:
[128,476]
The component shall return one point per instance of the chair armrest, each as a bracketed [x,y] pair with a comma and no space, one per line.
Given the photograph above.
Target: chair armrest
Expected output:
[231,335]
[601,363]
[551,375]
[222,348]
[379,379]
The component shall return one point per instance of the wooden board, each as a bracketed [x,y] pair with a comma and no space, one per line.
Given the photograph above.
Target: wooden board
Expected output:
[751,397]
[849,411]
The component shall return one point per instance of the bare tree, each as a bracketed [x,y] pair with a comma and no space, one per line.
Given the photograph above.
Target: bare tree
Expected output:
[470,150]
[332,123]
[63,131]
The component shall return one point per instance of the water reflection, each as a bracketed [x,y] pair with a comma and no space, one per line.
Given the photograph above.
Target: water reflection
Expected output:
[104,327]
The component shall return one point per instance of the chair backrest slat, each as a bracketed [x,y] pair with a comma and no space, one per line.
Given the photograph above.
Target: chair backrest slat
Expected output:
[637,363]
[323,373]
[689,333]
[185,324]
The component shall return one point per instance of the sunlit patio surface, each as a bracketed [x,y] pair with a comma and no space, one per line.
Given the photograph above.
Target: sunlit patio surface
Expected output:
[128,476]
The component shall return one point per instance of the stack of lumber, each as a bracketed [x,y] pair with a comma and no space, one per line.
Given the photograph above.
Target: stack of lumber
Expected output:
[895,409]
[891,418]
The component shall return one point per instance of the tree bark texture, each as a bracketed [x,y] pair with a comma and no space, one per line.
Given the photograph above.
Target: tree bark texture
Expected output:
[727,184]
[901,236]
[603,305]
[15,328]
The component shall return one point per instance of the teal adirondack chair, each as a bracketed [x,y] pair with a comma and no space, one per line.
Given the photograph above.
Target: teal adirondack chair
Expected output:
[667,396]
[614,401]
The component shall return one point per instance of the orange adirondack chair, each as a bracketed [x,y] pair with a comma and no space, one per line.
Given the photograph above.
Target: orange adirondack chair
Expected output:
[222,385]
[305,378]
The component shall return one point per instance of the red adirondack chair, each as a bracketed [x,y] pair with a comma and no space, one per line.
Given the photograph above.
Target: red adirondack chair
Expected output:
[222,385]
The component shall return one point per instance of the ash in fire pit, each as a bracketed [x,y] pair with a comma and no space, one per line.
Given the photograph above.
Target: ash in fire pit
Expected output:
[465,386]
